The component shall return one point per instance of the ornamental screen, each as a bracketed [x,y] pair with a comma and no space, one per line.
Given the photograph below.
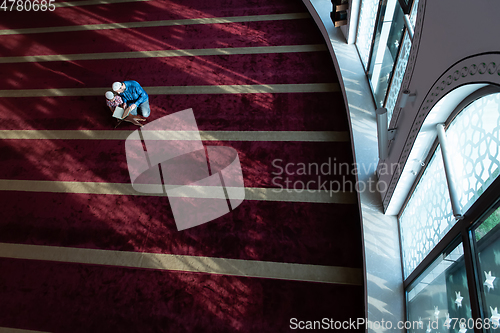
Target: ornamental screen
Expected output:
[367,18]
[397,78]
[474,141]
[427,216]
[402,61]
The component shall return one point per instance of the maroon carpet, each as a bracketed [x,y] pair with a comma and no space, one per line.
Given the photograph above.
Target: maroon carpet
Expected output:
[247,34]
[303,233]
[62,297]
[87,298]
[89,160]
[228,112]
[175,71]
[147,11]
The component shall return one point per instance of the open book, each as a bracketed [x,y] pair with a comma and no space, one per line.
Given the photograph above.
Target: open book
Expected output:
[119,112]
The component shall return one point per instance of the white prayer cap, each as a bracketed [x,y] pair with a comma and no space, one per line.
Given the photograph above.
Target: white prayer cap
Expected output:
[109,95]
[116,86]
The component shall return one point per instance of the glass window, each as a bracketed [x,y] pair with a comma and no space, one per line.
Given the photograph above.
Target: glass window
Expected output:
[381,43]
[399,72]
[405,4]
[366,26]
[413,14]
[438,297]
[387,40]
[486,240]
[439,300]
[398,76]
[474,139]
[427,216]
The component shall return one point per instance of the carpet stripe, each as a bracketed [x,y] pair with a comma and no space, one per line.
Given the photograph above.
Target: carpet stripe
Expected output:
[183,90]
[163,23]
[91,2]
[17,330]
[166,53]
[170,262]
[149,11]
[301,136]
[274,231]
[204,36]
[251,193]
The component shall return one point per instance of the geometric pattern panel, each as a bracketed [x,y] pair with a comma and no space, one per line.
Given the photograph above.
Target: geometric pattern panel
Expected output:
[366,27]
[480,68]
[413,14]
[399,72]
[428,215]
[474,139]
[397,79]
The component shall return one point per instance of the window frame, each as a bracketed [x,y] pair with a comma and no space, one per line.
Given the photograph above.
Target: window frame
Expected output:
[406,6]
[462,230]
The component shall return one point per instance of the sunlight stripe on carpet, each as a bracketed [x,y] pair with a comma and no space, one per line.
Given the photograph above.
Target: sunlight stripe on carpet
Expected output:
[299,136]
[329,194]
[18,330]
[91,2]
[167,53]
[184,263]
[183,90]
[164,23]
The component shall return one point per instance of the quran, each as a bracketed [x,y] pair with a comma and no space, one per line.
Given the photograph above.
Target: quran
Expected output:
[118,112]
